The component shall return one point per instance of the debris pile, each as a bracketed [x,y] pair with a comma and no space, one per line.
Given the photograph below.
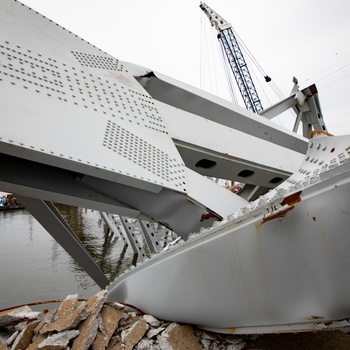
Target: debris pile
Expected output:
[99,325]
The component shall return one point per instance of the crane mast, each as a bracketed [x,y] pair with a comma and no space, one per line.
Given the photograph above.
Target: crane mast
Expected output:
[235,59]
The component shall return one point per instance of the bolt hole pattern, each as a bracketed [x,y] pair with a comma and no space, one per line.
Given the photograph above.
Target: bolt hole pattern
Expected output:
[83,87]
[80,87]
[142,153]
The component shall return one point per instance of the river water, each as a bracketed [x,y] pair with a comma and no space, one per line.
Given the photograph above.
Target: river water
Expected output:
[34,267]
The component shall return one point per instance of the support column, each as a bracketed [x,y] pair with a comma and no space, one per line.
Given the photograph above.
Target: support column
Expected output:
[53,222]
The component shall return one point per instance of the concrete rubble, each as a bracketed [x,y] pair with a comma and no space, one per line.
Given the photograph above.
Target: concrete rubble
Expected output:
[99,325]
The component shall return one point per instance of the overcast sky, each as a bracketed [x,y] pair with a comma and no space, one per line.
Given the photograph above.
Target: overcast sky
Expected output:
[307,39]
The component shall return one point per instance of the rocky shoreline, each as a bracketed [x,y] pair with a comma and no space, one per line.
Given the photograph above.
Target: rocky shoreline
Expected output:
[99,325]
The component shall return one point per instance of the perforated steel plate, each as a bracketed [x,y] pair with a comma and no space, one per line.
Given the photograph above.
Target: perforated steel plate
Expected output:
[64,102]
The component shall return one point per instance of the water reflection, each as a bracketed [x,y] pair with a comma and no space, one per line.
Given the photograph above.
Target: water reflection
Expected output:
[110,253]
[35,267]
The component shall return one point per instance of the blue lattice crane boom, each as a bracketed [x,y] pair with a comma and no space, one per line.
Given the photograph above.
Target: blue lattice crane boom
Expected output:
[236,60]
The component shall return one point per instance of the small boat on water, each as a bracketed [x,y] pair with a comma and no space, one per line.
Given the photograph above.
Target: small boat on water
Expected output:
[9,202]
[11,207]
[273,257]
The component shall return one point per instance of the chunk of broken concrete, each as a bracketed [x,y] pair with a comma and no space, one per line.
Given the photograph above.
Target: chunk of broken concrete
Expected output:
[67,306]
[154,331]
[145,344]
[110,317]
[25,337]
[151,320]
[177,337]
[17,315]
[115,344]
[48,318]
[37,341]
[9,341]
[58,341]
[88,328]
[134,334]
[68,319]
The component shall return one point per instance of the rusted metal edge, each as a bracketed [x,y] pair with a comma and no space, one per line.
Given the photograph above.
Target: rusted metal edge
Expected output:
[287,205]
[53,301]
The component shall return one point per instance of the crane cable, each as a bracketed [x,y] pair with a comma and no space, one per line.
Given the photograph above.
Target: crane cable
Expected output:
[328,67]
[212,68]
[272,84]
[227,69]
[252,58]
[204,49]
[334,77]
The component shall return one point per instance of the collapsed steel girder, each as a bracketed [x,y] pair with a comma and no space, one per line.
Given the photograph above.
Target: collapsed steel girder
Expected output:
[85,129]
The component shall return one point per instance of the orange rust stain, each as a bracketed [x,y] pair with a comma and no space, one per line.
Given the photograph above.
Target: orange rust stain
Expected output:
[319,132]
[292,199]
[210,215]
[207,216]
[280,214]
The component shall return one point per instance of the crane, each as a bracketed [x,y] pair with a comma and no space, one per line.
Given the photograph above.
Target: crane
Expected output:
[236,60]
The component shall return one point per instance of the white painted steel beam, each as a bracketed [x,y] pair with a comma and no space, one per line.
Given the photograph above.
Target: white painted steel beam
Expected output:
[81,130]
[307,107]
[51,219]
[279,264]
[74,111]
[231,152]
[179,212]
[130,229]
[110,224]
[40,181]
[196,101]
